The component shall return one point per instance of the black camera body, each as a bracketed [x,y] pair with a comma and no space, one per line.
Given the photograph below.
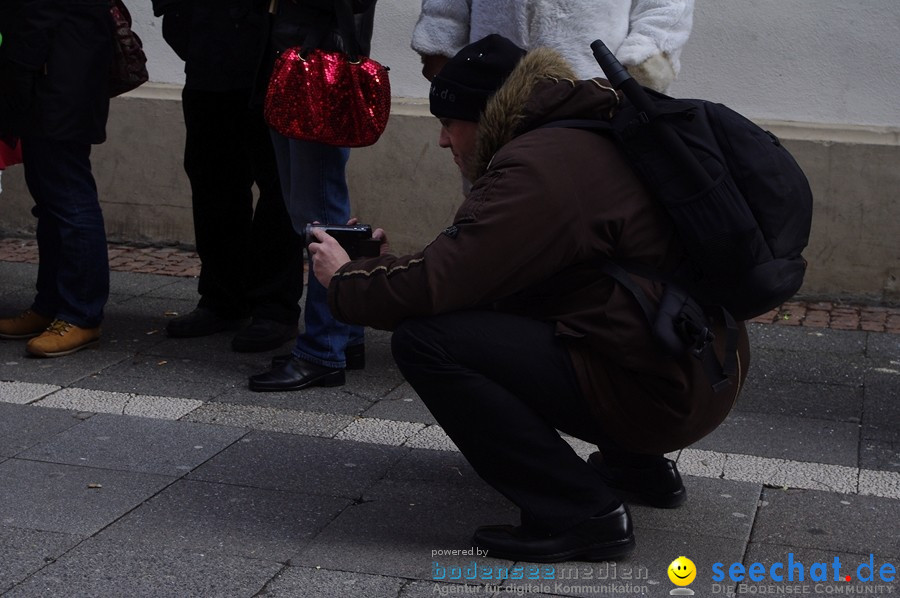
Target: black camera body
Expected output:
[356,239]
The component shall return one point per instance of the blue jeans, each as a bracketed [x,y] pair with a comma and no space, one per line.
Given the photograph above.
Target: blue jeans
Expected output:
[73,273]
[315,190]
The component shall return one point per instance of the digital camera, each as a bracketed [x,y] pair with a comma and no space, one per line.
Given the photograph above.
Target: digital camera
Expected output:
[356,239]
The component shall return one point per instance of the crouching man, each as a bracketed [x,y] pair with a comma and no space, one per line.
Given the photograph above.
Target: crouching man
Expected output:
[507,329]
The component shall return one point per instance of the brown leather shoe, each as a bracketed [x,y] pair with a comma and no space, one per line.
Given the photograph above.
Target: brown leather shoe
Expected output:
[26,325]
[62,338]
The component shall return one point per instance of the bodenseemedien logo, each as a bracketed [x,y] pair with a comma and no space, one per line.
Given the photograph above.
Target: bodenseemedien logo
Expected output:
[682,572]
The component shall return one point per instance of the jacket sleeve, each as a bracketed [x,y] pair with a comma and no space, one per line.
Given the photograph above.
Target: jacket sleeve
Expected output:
[443,27]
[657,27]
[29,46]
[511,232]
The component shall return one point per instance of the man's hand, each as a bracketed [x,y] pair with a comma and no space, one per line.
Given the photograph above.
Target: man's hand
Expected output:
[327,256]
[379,235]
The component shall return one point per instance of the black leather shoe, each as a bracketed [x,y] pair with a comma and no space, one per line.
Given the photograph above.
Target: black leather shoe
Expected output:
[600,538]
[263,335]
[296,374]
[200,322]
[355,356]
[658,485]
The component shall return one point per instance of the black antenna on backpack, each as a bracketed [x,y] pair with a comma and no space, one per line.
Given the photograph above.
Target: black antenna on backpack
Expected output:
[618,75]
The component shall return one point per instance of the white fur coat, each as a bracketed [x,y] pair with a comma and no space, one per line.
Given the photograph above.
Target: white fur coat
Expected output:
[645,35]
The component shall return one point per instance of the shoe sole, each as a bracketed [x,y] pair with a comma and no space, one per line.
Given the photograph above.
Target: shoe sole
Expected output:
[328,380]
[87,345]
[606,552]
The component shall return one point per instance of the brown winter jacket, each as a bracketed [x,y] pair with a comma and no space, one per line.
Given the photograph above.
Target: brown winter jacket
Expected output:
[545,206]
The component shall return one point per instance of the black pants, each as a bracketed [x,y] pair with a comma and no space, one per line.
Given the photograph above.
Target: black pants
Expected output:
[251,259]
[501,386]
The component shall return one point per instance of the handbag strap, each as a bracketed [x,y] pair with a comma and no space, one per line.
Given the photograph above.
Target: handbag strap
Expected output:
[347,26]
[346,29]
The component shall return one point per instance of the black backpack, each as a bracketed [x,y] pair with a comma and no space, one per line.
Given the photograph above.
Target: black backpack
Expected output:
[740,205]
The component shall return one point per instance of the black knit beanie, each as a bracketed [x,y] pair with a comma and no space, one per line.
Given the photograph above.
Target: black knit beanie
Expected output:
[464,85]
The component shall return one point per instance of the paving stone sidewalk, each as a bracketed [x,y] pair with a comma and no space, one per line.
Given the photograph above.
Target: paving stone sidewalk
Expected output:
[146,468]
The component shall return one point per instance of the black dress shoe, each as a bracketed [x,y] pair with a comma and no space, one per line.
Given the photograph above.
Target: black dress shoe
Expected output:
[263,335]
[657,485]
[296,374]
[600,538]
[200,322]
[355,356]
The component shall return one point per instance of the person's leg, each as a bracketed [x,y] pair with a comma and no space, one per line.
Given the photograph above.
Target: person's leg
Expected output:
[73,275]
[276,250]
[500,386]
[46,301]
[216,161]
[318,193]
[34,320]
[315,190]
[274,274]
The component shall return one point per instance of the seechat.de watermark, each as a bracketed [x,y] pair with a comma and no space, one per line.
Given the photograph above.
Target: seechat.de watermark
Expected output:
[793,576]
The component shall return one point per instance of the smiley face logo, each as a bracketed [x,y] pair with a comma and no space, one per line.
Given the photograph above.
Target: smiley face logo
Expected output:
[682,571]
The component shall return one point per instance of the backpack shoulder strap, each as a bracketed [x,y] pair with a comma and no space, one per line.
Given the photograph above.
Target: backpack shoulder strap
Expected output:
[621,276]
[680,324]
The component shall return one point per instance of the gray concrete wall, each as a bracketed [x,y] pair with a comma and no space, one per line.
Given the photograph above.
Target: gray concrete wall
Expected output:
[823,61]
[409,186]
[822,74]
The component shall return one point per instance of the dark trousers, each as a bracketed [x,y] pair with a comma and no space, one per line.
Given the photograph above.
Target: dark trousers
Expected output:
[501,386]
[251,259]
[73,274]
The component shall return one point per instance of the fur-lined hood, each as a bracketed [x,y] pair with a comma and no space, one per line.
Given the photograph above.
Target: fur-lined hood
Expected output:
[542,88]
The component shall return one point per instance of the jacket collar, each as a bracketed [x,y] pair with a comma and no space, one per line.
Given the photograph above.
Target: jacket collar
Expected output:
[542,88]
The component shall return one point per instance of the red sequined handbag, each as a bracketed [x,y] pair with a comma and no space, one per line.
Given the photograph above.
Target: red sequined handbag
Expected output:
[328,97]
